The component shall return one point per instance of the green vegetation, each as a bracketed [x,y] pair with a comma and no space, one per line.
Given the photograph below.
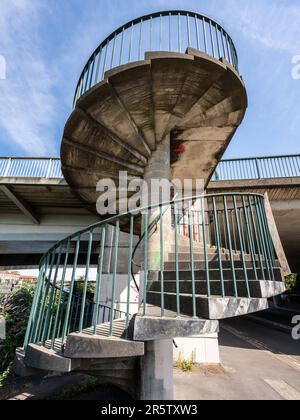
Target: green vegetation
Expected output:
[290,283]
[16,310]
[185,365]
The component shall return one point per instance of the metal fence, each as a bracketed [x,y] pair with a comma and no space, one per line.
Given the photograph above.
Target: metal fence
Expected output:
[30,168]
[228,170]
[287,166]
[173,31]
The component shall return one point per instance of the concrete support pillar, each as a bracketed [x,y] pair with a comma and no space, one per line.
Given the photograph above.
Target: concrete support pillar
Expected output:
[158,172]
[157,371]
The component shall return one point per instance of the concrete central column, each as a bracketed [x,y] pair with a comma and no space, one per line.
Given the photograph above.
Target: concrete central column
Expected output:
[157,364]
[157,371]
[158,173]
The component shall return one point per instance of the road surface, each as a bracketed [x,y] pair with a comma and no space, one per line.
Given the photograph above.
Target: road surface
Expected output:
[260,363]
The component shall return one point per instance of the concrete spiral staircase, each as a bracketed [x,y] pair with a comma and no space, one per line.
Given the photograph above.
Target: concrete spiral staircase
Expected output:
[198,102]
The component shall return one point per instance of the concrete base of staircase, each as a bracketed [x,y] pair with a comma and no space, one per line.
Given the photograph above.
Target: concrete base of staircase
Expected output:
[203,350]
[147,328]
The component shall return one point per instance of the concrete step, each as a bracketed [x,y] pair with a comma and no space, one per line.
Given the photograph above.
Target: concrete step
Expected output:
[213,308]
[212,256]
[201,265]
[258,289]
[84,346]
[39,357]
[214,274]
[154,326]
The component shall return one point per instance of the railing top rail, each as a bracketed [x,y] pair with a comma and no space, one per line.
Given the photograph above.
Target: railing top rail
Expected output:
[260,158]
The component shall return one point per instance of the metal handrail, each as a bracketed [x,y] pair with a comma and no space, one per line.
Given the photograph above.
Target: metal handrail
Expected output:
[264,167]
[24,167]
[173,30]
[238,220]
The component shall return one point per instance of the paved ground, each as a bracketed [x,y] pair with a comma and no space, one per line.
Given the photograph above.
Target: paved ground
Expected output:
[259,364]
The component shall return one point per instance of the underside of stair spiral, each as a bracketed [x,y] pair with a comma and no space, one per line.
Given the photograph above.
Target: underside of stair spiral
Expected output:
[116,125]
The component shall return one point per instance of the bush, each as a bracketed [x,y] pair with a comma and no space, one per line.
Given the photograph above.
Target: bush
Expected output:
[16,310]
[291,283]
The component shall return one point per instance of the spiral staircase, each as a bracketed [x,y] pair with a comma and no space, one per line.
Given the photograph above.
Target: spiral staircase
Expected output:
[142,94]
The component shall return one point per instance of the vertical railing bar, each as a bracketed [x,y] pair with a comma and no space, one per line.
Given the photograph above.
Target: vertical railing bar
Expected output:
[160,33]
[217,38]
[192,262]
[65,328]
[262,236]
[104,61]
[32,325]
[121,47]
[115,268]
[98,66]
[130,43]
[179,33]
[62,284]
[257,236]
[140,39]
[218,244]
[92,71]
[230,246]
[49,311]
[188,29]
[113,51]
[170,32]
[223,45]
[99,277]
[206,259]
[145,217]
[211,38]
[86,280]
[204,34]
[250,239]
[241,243]
[197,32]
[129,275]
[45,291]
[151,24]
[162,268]
[177,259]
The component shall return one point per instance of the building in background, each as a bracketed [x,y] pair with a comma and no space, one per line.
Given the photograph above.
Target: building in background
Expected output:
[12,281]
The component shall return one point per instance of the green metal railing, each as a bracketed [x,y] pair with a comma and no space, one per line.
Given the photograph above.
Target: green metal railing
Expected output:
[227,241]
[268,167]
[173,30]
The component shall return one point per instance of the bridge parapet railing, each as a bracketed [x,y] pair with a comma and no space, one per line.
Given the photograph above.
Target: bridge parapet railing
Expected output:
[23,167]
[269,167]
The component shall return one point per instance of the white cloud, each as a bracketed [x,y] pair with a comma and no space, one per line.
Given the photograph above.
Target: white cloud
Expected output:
[27,102]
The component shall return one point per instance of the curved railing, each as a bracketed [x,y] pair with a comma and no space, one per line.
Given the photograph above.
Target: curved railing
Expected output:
[232,227]
[174,31]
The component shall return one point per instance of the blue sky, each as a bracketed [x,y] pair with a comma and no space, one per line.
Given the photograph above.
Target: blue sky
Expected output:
[47,42]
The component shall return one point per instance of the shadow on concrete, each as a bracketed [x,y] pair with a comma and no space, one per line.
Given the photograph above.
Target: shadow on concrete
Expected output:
[244,333]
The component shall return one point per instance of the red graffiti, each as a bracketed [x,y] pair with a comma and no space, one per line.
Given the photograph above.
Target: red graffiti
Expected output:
[180,149]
